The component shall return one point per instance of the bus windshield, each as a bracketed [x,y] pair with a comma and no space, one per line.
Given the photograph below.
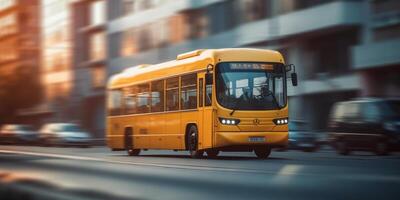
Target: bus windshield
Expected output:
[251,86]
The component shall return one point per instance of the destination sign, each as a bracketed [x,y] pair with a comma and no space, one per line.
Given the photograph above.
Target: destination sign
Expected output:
[251,66]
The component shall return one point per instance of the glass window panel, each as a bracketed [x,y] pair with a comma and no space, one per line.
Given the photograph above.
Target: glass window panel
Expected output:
[172,94]
[189,91]
[97,12]
[157,96]
[97,46]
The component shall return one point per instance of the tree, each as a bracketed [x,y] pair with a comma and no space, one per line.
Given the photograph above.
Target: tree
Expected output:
[17,91]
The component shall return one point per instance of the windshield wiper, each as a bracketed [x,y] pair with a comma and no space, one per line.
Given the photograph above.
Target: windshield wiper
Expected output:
[234,107]
[275,101]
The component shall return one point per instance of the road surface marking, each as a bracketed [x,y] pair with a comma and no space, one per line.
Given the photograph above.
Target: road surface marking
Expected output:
[71,157]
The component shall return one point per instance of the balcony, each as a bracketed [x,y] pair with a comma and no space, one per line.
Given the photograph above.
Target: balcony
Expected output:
[375,55]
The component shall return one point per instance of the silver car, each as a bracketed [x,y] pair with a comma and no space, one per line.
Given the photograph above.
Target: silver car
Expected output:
[64,134]
[301,138]
[17,134]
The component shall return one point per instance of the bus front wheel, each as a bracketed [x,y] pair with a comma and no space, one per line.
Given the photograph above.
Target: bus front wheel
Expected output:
[128,143]
[192,141]
[262,152]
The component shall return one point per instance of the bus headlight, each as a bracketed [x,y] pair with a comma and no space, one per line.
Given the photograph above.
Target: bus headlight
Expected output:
[226,121]
[281,121]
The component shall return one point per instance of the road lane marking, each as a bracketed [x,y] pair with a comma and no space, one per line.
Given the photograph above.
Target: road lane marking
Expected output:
[71,157]
[289,170]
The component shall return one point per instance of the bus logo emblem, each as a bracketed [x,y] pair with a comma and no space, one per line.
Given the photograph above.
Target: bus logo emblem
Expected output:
[256,121]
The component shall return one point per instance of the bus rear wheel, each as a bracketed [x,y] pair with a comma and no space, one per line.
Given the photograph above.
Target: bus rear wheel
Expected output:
[128,143]
[262,152]
[192,142]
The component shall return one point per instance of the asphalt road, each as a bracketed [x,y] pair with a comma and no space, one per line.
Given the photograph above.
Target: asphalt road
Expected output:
[97,173]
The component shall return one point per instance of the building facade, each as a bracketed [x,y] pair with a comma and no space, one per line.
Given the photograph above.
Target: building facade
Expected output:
[19,53]
[342,49]
[90,62]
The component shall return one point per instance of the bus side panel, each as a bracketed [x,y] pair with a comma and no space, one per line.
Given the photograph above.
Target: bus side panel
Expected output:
[208,128]
[132,122]
[114,134]
[149,131]
[172,136]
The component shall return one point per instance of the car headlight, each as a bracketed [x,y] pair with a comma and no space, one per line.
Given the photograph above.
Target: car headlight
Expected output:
[281,121]
[226,121]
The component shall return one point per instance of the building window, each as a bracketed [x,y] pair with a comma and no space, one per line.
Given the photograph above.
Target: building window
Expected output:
[97,49]
[8,25]
[97,12]
[128,43]
[9,50]
[382,6]
[253,10]
[98,76]
[196,24]
[172,94]
[387,33]
[157,96]
[4,4]
[189,91]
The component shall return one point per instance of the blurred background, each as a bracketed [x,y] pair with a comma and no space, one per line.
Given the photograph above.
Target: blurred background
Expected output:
[56,55]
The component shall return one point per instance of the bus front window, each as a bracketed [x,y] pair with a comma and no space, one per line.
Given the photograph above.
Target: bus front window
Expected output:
[251,86]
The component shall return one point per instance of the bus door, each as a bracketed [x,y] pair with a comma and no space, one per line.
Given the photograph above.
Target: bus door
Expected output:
[205,110]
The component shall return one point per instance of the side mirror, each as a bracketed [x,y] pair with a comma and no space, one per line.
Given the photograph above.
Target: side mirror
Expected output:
[294,78]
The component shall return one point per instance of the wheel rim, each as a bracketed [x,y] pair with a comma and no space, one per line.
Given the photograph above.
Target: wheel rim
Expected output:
[193,141]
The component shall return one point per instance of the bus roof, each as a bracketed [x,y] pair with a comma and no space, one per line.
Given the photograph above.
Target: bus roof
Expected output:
[146,72]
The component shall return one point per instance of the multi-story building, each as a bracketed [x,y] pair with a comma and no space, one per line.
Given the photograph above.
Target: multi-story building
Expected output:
[19,52]
[56,69]
[90,61]
[342,49]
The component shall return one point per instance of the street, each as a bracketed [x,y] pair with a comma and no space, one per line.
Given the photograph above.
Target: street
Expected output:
[78,172]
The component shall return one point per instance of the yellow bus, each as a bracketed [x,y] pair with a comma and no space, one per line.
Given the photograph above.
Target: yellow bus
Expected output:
[205,101]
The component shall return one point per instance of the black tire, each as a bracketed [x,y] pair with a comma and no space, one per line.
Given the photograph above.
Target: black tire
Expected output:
[311,149]
[128,143]
[212,153]
[192,142]
[342,148]
[262,152]
[381,148]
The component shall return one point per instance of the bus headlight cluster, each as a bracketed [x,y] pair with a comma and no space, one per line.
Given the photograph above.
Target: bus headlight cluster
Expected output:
[226,121]
[281,121]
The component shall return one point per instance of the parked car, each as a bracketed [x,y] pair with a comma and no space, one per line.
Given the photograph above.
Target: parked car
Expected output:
[17,134]
[64,134]
[301,138]
[371,124]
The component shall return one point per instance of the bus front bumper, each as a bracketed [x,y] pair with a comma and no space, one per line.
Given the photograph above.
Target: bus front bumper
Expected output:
[274,139]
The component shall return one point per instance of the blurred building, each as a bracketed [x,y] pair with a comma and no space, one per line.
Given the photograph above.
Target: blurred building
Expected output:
[90,62]
[342,49]
[57,69]
[19,44]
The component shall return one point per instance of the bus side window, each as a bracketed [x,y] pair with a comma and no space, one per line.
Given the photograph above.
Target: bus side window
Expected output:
[209,83]
[114,102]
[201,89]
[189,91]
[130,99]
[157,96]
[143,97]
[172,94]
